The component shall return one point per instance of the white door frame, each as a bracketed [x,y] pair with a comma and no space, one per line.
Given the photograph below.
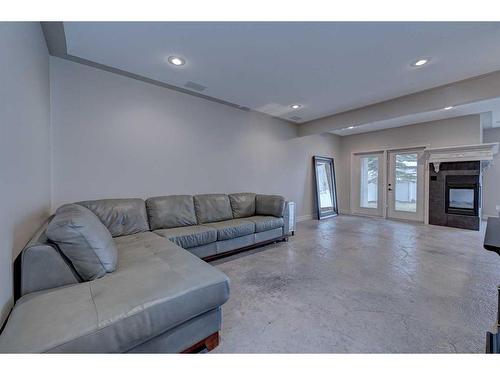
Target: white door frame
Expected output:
[385,151]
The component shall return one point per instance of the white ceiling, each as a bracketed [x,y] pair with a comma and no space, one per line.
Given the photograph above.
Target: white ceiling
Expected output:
[326,67]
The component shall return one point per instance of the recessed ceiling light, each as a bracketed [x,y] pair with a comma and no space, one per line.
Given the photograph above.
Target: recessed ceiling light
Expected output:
[420,62]
[350,127]
[295,106]
[177,61]
[447,108]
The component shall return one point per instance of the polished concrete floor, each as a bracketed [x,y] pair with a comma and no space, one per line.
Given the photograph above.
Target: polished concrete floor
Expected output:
[362,285]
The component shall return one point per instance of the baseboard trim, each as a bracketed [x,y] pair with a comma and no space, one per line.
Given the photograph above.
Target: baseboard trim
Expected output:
[314,215]
[305,217]
[486,216]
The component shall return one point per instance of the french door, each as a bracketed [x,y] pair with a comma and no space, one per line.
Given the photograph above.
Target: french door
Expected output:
[389,184]
[368,184]
[405,185]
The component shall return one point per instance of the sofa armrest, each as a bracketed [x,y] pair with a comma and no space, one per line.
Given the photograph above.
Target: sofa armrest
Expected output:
[289,219]
[41,266]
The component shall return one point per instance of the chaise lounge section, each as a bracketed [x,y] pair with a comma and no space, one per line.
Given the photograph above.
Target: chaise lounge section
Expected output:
[160,297]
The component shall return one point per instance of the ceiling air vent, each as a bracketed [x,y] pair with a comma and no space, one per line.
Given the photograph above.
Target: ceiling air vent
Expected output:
[194,86]
[295,118]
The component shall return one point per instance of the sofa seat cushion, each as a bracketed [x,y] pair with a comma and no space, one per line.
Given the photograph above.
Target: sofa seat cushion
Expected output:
[264,223]
[157,286]
[229,229]
[192,236]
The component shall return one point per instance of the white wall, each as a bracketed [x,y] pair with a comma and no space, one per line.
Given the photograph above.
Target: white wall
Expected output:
[491,177]
[119,137]
[114,136]
[449,132]
[24,144]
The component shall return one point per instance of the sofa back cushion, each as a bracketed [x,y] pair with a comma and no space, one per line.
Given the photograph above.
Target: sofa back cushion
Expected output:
[121,216]
[212,207]
[171,211]
[84,240]
[242,204]
[271,205]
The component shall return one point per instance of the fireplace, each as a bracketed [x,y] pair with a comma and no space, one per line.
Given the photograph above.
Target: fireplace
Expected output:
[455,195]
[462,197]
[455,177]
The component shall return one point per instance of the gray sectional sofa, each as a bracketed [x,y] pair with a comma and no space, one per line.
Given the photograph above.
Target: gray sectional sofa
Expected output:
[125,275]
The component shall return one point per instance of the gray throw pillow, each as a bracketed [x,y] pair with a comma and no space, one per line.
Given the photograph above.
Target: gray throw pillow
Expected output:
[84,240]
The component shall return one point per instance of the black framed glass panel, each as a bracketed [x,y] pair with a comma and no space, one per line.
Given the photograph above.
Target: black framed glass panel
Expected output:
[326,192]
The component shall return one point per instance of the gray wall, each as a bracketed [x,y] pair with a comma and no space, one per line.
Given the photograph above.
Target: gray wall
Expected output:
[24,143]
[491,178]
[450,132]
[114,136]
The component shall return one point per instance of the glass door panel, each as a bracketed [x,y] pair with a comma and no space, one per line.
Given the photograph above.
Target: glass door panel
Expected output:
[367,181]
[406,182]
[405,185]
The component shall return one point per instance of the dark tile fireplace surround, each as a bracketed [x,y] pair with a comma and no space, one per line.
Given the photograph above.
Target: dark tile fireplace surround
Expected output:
[455,195]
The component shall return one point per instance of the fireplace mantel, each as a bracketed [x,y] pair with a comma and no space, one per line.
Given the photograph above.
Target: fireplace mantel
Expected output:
[482,152]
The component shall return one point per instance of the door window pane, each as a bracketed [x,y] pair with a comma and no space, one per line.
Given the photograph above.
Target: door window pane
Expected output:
[406,182]
[369,182]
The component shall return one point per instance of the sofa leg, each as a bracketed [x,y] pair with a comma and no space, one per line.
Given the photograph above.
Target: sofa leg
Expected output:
[212,341]
[208,343]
